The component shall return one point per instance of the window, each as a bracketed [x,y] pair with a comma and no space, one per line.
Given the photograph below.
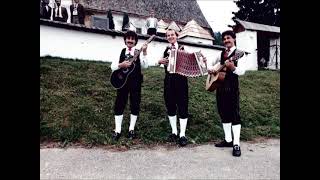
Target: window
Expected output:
[100,22]
[139,30]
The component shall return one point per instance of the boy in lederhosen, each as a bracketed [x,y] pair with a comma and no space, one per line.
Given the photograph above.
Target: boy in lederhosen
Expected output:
[132,86]
[175,93]
[228,94]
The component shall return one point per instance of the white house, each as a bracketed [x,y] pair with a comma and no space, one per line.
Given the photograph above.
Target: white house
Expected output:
[79,42]
[96,43]
[91,43]
[261,41]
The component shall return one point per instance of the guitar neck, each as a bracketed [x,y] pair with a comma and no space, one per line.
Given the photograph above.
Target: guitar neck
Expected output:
[234,58]
[134,58]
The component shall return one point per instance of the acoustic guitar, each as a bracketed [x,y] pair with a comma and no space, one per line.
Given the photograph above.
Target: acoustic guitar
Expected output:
[215,80]
[120,76]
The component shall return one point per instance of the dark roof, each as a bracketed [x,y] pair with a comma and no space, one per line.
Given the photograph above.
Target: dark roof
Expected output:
[258,27]
[79,27]
[179,11]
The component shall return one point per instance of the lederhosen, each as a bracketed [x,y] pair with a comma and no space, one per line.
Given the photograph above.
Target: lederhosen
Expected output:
[175,92]
[132,87]
[228,96]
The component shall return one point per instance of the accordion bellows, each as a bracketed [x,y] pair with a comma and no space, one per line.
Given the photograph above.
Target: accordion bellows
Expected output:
[187,64]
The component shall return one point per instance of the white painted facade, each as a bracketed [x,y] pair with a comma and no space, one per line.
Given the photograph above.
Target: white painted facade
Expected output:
[197,40]
[247,41]
[74,44]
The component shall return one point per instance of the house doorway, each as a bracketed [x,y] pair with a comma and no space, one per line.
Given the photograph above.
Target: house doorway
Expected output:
[263,46]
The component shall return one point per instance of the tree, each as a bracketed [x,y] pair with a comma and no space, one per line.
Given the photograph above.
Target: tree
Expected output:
[110,18]
[125,22]
[218,39]
[259,11]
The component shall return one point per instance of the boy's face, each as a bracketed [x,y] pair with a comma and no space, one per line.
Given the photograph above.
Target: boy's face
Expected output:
[228,41]
[171,36]
[130,41]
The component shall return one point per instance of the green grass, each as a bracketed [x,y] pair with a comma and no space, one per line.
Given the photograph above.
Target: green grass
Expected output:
[76,105]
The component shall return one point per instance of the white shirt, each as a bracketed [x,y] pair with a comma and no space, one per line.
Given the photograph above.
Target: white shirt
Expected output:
[143,59]
[240,69]
[75,11]
[152,22]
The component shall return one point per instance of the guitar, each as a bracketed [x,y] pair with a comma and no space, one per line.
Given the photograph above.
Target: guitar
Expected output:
[215,80]
[119,77]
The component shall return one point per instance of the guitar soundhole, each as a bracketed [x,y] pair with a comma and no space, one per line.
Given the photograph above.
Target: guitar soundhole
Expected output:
[125,70]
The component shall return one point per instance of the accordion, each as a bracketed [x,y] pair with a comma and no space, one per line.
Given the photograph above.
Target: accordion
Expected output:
[186,64]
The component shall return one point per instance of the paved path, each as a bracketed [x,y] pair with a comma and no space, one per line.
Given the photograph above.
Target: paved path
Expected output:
[258,161]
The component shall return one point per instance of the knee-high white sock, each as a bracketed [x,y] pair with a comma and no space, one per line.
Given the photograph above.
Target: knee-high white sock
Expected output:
[236,134]
[133,119]
[227,131]
[183,126]
[173,123]
[118,122]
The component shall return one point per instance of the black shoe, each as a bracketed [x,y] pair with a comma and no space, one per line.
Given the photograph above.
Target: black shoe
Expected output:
[115,136]
[131,134]
[183,141]
[172,138]
[224,143]
[236,151]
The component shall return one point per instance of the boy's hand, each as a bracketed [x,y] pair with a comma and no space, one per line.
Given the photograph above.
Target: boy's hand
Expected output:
[230,65]
[214,72]
[204,59]
[144,48]
[125,64]
[163,61]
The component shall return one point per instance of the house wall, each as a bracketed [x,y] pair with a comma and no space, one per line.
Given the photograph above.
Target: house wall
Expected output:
[198,40]
[247,41]
[75,44]
[117,20]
